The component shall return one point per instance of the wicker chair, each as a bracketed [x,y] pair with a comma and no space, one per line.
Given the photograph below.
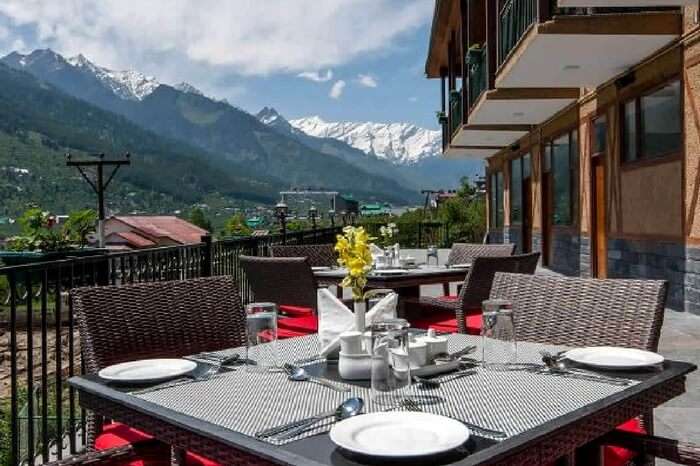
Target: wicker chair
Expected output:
[155,320]
[591,312]
[476,289]
[318,255]
[465,253]
[120,456]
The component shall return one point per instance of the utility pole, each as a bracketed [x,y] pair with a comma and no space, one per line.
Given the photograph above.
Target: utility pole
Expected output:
[99,185]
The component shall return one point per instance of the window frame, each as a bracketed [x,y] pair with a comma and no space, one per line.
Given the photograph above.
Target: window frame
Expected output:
[643,158]
[512,192]
[496,207]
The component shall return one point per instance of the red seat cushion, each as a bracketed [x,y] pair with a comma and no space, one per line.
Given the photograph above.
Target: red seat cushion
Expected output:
[307,324]
[117,435]
[295,311]
[282,333]
[618,456]
[449,298]
[446,322]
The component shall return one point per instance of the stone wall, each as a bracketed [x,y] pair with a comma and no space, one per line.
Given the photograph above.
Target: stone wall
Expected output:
[585,256]
[673,262]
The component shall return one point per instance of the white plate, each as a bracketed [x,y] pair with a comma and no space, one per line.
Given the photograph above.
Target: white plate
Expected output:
[399,434]
[320,268]
[460,266]
[147,370]
[390,271]
[611,357]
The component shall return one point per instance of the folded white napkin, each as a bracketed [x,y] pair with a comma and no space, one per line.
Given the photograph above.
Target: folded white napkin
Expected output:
[334,317]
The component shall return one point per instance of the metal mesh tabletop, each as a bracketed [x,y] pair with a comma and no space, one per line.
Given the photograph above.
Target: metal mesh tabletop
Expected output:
[508,401]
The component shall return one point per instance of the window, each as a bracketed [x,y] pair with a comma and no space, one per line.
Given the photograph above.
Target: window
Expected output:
[653,124]
[496,200]
[600,135]
[516,191]
[526,166]
[563,153]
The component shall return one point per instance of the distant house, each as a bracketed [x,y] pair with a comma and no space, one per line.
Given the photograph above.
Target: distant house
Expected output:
[139,232]
[375,209]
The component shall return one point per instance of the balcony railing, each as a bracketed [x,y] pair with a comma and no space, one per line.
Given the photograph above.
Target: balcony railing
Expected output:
[42,417]
[514,20]
[455,111]
[477,73]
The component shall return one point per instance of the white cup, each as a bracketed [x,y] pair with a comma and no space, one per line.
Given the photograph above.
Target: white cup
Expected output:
[351,342]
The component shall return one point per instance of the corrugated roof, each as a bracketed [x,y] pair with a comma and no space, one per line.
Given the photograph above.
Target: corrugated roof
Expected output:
[165,226]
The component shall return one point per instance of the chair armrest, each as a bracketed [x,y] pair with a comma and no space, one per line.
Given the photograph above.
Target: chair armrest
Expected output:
[668,449]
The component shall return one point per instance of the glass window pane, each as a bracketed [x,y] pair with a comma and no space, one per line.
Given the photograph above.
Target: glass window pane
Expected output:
[516,191]
[526,166]
[547,158]
[492,196]
[629,136]
[561,166]
[661,121]
[600,135]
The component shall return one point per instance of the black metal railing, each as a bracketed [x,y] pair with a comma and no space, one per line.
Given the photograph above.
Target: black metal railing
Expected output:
[455,112]
[515,18]
[476,58]
[416,235]
[39,414]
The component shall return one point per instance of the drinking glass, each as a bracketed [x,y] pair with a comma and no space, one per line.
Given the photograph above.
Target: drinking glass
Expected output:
[391,370]
[498,344]
[261,336]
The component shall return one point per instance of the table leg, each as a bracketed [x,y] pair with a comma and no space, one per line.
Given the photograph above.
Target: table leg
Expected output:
[177,456]
[409,293]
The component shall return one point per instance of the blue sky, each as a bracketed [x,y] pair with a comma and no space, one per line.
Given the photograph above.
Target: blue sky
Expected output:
[359,60]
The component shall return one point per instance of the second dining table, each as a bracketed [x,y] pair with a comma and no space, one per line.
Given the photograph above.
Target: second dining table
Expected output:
[405,282]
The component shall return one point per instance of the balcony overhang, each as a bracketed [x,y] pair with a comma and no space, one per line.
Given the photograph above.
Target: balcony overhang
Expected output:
[624,3]
[523,107]
[586,51]
[469,152]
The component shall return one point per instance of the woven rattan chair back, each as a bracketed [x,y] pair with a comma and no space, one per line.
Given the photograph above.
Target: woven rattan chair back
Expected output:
[157,320]
[464,253]
[281,280]
[584,311]
[477,284]
[318,255]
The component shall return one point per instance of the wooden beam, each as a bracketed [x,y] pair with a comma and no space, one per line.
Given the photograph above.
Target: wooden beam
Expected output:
[652,23]
[544,93]
[495,127]
[455,146]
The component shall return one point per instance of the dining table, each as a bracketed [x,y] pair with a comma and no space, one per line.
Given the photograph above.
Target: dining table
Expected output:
[406,282]
[542,416]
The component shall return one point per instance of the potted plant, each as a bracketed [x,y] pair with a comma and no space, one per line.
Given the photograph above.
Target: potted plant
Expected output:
[354,254]
[41,239]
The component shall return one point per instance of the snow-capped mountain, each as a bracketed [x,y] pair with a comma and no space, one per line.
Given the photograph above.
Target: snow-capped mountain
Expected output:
[127,84]
[188,88]
[399,143]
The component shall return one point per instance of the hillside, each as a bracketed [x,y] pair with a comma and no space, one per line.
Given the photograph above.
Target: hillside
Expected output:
[233,137]
[38,124]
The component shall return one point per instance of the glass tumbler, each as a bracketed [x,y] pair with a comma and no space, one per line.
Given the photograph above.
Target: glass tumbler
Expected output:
[498,344]
[390,368]
[261,336]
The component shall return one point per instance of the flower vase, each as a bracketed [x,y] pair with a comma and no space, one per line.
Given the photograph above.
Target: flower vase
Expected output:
[360,307]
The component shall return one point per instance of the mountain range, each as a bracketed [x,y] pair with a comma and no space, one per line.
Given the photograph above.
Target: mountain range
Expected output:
[253,158]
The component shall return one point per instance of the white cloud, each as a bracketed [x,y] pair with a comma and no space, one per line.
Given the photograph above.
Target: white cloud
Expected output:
[366,80]
[413,99]
[247,37]
[337,89]
[316,76]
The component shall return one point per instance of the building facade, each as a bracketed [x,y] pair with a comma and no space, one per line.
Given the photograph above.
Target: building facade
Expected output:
[588,119]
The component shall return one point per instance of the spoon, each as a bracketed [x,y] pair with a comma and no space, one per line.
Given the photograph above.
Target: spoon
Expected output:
[431,384]
[299,374]
[556,364]
[348,408]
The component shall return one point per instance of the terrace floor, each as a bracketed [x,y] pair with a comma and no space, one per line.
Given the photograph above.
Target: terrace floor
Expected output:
[680,340]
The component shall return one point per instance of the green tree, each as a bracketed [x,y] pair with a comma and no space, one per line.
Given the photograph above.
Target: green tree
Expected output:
[198,218]
[465,214]
[236,226]
[298,225]
[79,225]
